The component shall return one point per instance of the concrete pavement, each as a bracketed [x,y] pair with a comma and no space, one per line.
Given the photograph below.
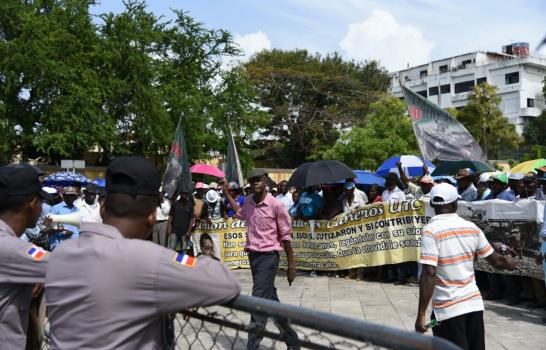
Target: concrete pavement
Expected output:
[507,327]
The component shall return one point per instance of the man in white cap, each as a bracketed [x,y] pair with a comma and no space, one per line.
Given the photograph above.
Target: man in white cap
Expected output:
[513,181]
[483,190]
[449,245]
[213,207]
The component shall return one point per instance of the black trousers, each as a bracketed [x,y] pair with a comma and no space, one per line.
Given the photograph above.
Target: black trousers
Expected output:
[466,330]
[264,268]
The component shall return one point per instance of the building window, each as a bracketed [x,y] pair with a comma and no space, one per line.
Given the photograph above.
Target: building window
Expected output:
[422,93]
[443,69]
[433,91]
[530,102]
[422,73]
[511,78]
[464,86]
[445,89]
[459,108]
[481,80]
[465,62]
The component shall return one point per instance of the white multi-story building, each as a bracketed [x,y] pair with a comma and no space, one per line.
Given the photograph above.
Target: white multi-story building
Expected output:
[449,82]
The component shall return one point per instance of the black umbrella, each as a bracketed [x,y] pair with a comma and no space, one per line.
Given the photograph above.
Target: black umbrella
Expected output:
[320,172]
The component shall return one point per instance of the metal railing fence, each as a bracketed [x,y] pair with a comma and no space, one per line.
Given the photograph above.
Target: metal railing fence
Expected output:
[228,327]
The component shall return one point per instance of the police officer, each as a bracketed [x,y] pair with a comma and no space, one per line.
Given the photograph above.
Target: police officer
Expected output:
[110,288]
[22,264]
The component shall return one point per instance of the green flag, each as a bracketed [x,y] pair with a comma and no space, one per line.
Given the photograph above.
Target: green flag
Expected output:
[177,175]
[438,134]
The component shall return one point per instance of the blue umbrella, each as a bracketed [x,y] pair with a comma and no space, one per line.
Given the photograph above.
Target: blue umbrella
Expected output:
[100,182]
[64,178]
[366,177]
[412,165]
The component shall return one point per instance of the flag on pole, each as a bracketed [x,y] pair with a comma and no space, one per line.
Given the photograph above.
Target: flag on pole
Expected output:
[439,135]
[177,175]
[234,171]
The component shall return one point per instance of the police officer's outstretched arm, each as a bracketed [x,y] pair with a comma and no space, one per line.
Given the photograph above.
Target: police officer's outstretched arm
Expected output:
[185,282]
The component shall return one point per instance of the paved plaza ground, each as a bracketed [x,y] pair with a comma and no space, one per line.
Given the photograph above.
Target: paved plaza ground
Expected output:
[507,327]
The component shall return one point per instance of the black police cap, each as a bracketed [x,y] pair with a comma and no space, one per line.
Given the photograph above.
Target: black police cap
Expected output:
[256,173]
[39,171]
[91,188]
[18,182]
[133,175]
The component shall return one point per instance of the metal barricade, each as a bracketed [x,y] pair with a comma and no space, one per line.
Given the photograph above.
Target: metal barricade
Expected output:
[228,326]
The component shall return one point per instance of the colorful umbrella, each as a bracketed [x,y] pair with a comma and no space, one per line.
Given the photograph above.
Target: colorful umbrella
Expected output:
[412,165]
[65,178]
[100,182]
[450,167]
[528,166]
[207,170]
[366,177]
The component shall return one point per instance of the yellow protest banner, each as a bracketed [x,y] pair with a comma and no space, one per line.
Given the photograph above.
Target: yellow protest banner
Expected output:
[373,235]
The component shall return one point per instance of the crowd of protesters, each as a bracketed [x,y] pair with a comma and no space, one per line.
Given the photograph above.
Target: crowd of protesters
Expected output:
[324,202]
[177,216]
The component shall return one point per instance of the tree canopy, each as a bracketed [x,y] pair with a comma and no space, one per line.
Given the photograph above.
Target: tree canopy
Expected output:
[310,99]
[388,132]
[117,83]
[483,118]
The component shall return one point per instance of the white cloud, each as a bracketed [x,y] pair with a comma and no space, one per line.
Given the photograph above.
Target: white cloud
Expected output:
[249,44]
[252,43]
[382,38]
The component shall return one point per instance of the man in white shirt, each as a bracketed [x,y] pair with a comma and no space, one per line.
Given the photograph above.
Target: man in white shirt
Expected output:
[89,206]
[350,200]
[449,245]
[361,195]
[159,232]
[284,196]
[392,193]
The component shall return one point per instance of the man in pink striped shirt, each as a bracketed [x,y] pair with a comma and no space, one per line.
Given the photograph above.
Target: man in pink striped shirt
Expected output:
[269,229]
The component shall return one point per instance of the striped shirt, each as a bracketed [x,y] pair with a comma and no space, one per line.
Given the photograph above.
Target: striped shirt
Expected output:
[451,243]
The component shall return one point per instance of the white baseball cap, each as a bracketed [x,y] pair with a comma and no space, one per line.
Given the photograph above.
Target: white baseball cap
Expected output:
[445,192]
[485,177]
[516,176]
[212,196]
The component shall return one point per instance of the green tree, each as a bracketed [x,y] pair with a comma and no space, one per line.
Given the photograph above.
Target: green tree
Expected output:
[69,84]
[162,71]
[50,90]
[388,132]
[309,99]
[483,118]
[534,133]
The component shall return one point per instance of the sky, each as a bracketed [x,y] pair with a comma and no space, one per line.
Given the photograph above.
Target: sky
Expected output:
[394,32]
